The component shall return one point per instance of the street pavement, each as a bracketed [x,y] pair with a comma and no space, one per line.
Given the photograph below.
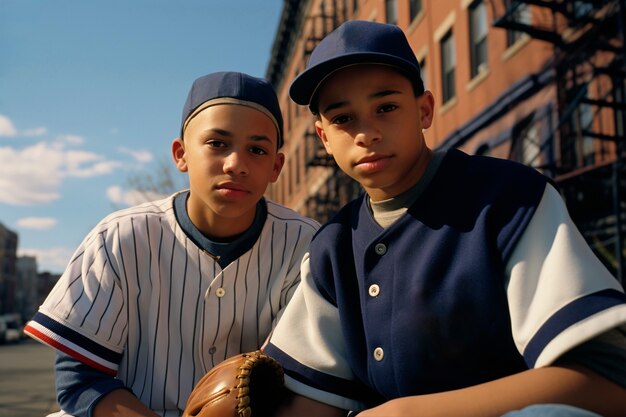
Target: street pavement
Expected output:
[26,380]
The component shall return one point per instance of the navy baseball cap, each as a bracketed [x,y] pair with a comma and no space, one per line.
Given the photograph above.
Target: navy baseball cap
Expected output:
[356,42]
[233,88]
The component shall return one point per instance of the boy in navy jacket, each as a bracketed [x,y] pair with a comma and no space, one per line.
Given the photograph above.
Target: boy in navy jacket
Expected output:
[456,285]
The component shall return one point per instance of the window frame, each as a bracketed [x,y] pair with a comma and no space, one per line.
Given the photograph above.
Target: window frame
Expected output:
[447,46]
[478,37]
[415,9]
[520,15]
[391,12]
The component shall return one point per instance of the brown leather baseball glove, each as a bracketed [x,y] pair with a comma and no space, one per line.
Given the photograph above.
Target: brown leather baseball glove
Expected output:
[247,385]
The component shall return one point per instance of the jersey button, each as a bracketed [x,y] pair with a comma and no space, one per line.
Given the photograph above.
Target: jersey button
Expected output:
[212,350]
[220,292]
[374,290]
[380,249]
[379,354]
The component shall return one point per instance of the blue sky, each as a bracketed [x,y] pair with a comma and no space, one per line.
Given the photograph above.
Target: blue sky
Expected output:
[91,94]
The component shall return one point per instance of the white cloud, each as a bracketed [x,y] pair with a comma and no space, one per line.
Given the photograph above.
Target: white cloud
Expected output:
[140,155]
[39,223]
[51,259]
[71,139]
[118,195]
[30,176]
[6,127]
[85,164]
[37,131]
[34,174]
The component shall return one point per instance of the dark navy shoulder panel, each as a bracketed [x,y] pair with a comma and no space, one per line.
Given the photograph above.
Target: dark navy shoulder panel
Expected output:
[465,189]
[468,189]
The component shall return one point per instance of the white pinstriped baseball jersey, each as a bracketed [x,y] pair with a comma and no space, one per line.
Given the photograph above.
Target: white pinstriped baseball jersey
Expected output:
[141,301]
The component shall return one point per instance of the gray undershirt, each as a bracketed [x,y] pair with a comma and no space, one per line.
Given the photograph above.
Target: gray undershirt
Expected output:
[386,212]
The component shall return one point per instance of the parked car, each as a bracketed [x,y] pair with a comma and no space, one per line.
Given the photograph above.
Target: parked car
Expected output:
[14,331]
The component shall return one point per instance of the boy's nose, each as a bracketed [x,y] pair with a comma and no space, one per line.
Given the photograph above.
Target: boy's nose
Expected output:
[234,164]
[367,134]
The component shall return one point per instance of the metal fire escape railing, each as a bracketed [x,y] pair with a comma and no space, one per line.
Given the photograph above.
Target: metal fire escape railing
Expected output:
[330,15]
[586,150]
[338,189]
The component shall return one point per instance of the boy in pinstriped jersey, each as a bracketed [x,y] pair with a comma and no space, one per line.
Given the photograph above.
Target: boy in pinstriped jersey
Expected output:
[158,294]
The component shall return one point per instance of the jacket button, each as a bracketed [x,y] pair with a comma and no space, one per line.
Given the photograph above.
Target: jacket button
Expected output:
[379,354]
[380,249]
[374,290]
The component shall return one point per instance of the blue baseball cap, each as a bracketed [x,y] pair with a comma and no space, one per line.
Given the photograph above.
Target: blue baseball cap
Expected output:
[356,42]
[233,88]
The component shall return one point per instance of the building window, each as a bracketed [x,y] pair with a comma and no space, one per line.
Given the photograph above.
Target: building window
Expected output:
[526,145]
[391,11]
[586,146]
[520,13]
[448,66]
[478,37]
[423,72]
[415,8]
[289,180]
[299,160]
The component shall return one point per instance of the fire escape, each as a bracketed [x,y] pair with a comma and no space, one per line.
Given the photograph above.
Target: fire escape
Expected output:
[337,188]
[585,150]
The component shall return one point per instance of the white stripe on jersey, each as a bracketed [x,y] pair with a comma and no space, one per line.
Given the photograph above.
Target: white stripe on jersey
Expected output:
[44,334]
[138,286]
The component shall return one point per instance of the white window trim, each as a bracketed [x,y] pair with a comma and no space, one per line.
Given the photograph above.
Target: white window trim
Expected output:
[445,26]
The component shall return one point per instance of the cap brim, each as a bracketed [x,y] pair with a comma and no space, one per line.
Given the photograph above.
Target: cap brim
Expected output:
[305,85]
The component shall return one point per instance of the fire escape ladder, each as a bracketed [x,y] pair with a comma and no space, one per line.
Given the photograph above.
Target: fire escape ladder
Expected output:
[331,15]
[337,188]
[316,155]
[506,14]
[589,138]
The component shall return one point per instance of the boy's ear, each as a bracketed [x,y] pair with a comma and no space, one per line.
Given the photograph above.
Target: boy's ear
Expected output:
[427,109]
[319,129]
[178,153]
[278,166]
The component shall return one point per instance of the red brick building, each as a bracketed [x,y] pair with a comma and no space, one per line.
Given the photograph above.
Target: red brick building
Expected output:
[537,81]
[8,274]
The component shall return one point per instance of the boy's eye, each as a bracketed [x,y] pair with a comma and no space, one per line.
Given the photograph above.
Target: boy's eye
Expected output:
[385,108]
[213,143]
[341,119]
[258,150]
